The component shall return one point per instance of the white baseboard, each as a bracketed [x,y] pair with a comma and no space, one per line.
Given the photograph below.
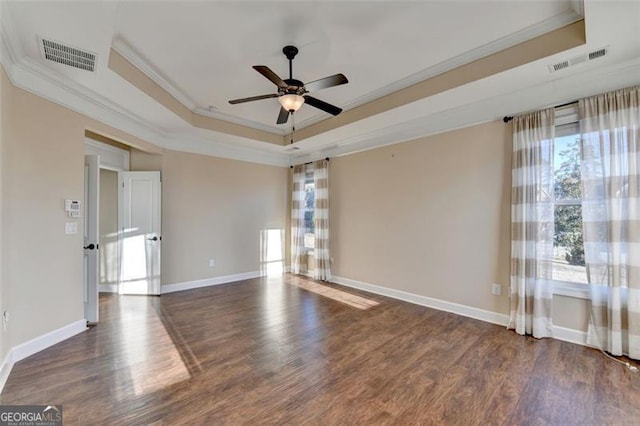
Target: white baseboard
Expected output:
[430,302]
[28,348]
[170,288]
[39,343]
[570,335]
[107,288]
[560,333]
[5,369]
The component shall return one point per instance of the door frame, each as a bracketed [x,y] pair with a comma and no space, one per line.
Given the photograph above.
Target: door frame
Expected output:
[91,238]
[153,244]
[116,160]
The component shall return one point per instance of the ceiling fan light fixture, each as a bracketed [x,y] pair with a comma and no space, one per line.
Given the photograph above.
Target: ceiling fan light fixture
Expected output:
[291,102]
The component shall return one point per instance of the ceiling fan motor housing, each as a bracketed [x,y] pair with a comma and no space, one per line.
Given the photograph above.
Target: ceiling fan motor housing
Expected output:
[295,91]
[294,87]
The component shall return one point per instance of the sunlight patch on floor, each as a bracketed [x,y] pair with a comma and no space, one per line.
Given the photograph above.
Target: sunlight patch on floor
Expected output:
[337,295]
[150,354]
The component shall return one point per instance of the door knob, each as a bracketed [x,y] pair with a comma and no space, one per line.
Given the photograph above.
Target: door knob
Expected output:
[153,239]
[90,247]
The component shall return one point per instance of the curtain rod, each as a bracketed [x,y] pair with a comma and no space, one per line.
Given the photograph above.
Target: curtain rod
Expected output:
[508,118]
[309,162]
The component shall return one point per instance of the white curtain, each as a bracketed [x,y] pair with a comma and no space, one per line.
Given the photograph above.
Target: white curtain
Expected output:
[532,223]
[297,220]
[322,269]
[610,133]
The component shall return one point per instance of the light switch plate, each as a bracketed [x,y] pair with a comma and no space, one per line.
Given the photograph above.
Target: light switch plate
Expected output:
[71,228]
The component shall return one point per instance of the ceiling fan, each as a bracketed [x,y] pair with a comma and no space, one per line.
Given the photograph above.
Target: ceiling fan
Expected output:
[292,93]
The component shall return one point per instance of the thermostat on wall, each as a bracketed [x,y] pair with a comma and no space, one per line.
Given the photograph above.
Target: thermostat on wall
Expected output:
[72,207]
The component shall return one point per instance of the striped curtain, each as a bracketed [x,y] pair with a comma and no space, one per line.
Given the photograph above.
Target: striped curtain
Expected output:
[321,219]
[610,131]
[297,220]
[532,223]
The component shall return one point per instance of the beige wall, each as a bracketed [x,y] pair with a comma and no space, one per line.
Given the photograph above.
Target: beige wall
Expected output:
[215,208]
[108,227]
[42,165]
[230,202]
[429,217]
[140,161]
[432,217]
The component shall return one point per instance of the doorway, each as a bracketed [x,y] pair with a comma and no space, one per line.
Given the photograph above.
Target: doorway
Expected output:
[112,213]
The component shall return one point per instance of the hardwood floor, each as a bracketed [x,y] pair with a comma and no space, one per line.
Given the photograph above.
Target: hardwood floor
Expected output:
[274,351]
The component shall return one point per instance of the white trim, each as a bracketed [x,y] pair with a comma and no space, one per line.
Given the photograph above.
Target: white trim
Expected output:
[107,288]
[560,333]
[39,343]
[482,111]
[551,24]
[430,302]
[569,289]
[35,78]
[224,279]
[242,121]
[5,369]
[570,335]
[126,51]
[111,157]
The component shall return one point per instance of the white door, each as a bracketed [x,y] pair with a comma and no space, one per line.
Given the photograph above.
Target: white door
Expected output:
[91,236]
[139,205]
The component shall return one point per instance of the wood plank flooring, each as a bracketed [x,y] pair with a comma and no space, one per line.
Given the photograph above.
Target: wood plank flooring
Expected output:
[270,351]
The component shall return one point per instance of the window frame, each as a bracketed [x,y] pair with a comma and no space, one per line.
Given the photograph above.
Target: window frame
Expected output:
[566,124]
[309,181]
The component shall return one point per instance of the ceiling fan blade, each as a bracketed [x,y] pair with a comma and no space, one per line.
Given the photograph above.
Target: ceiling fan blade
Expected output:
[283,116]
[266,71]
[323,83]
[315,102]
[253,98]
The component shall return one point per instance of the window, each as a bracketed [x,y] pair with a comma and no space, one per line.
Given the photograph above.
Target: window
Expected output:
[309,223]
[568,246]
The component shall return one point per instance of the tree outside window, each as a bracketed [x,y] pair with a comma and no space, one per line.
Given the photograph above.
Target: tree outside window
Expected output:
[309,224]
[569,263]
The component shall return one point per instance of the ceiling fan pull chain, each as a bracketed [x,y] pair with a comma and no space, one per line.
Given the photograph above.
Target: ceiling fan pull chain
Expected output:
[293,124]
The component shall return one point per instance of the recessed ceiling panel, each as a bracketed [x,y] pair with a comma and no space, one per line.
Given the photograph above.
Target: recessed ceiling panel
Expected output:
[207,49]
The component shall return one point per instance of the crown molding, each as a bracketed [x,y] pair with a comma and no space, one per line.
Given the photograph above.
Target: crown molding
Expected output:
[556,91]
[241,121]
[125,49]
[571,15]
[568,17]
[35,78]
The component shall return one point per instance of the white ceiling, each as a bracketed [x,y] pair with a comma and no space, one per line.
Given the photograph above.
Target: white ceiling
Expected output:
[202,52]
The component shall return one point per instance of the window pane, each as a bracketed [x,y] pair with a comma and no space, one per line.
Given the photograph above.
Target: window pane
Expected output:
[566,164]
[309,224]
[568,247]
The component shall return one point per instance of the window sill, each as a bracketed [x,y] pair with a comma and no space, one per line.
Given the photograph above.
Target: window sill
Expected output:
[569,289]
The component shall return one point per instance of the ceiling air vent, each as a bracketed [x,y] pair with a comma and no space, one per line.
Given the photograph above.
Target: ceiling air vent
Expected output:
[67,55]
[560,65]
[597,54]
[578,59]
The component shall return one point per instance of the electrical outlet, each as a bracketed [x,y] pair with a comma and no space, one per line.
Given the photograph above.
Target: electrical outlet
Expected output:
[212,263]
[496,289]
